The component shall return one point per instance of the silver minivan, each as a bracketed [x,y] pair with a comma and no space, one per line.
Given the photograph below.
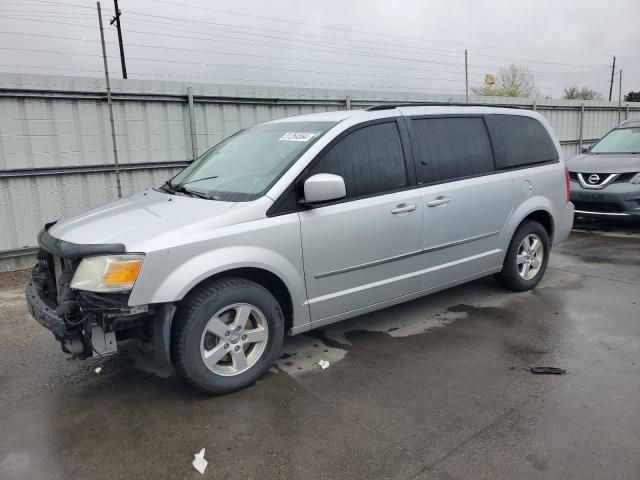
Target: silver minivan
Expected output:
[301,222]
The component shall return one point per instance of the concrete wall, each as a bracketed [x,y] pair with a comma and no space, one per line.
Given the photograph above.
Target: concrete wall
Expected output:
[55,146]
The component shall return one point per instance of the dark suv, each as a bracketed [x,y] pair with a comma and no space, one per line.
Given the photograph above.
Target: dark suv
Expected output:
[605,180]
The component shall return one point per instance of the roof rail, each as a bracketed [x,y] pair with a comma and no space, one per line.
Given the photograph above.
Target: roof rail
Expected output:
[629,120]
[391,106]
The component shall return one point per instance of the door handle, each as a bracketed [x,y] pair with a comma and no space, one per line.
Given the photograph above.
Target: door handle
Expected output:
[438,201]
[403,208]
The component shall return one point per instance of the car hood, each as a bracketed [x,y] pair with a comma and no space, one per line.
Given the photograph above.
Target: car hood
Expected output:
[141,218]
[606,163]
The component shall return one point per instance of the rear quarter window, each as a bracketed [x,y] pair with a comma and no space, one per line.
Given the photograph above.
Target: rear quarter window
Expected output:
[525,142]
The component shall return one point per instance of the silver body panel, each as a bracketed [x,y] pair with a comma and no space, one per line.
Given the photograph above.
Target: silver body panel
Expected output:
[340,260]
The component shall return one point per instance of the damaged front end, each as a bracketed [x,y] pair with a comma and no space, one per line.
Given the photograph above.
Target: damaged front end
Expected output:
[89,323]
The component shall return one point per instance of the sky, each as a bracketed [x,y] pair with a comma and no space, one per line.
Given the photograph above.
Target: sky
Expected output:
[408,45]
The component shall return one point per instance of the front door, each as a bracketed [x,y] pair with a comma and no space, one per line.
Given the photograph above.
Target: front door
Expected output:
[362,250]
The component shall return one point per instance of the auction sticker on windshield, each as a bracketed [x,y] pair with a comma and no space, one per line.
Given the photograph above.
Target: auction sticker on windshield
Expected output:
[297,136]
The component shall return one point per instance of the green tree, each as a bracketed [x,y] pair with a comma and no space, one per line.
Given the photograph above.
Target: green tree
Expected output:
[575,93]
[632,97]
[513,81]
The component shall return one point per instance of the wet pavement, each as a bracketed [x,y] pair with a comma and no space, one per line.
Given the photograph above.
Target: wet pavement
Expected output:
[435,388]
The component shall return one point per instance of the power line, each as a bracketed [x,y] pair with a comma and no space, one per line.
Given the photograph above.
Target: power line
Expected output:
[400,58]
[48,21]
[306,34]
[164,60]
[305,48]
[65,69]
[367,32]
[263,44]
[346,52]
[180,21]
[50,36]
[39,3]
[310,84]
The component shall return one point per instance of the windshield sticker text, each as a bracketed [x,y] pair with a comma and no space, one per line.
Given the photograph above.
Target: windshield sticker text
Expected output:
[297,136]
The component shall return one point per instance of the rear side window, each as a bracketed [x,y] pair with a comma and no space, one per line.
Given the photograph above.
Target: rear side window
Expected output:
[370,160]
[451,148]
[525,141]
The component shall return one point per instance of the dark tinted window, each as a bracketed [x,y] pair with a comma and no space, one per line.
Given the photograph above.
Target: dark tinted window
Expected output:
[525,141]
[449,148]
[370,160]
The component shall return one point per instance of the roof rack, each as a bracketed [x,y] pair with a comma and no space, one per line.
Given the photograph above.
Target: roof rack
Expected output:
[391,106]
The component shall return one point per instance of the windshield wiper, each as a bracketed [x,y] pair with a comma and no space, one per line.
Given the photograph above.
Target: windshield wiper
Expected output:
[199,180]
[195,193]
[169,188]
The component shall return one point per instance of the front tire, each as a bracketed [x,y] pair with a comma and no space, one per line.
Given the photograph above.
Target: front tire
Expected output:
[226,334]
[527,258]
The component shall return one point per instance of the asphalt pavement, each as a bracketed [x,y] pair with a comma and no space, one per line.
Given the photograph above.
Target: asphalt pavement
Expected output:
[436,388]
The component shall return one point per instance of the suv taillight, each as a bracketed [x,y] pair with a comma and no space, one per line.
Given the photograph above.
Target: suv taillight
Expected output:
[567,184]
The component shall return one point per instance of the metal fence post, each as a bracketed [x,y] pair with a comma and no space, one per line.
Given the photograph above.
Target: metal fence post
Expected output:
[192,124]
[347,102]
[626,112]
[580,128]
[535,105]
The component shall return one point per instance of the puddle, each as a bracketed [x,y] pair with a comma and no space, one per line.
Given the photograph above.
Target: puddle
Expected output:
[302,353]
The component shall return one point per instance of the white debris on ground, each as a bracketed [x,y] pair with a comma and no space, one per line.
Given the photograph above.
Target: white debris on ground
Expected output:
[98,370]
[199,463]
[323,364]
[302,354]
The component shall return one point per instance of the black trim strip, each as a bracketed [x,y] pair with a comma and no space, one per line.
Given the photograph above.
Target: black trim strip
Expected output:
[62,248]
[405,255]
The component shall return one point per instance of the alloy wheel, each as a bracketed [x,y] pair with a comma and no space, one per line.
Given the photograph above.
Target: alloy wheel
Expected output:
[530,256]
[234,339]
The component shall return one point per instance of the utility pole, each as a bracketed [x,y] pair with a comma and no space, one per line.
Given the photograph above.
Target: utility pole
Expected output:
[466,76]
[613,71]
[620,96]
[116,19]
[113,127]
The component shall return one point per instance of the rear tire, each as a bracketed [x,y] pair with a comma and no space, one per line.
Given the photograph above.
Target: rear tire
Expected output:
[526,259]
[226,334]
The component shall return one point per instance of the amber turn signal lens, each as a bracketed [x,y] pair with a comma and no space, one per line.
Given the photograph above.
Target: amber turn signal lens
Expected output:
[122,272]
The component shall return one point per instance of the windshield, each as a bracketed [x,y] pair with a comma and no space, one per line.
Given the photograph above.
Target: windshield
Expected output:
[622,140]
[245,165]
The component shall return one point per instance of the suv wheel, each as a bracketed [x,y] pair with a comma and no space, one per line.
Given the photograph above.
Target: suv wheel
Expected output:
[526,259]
[226,335]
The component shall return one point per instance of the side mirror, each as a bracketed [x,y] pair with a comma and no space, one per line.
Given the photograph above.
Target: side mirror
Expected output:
[324,187]
[585,149]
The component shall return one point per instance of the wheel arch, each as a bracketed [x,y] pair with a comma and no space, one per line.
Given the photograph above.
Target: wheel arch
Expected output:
[544,218]
[269,280]
[536,208]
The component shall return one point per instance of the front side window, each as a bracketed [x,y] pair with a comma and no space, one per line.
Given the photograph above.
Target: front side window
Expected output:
[245,165]
[622,140]
[370,160]
[451,148]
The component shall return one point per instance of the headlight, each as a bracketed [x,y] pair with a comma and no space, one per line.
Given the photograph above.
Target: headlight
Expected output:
[636,180]
[109,273]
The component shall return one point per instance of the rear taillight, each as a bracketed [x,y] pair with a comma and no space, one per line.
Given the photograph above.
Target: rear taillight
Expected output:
[567,184]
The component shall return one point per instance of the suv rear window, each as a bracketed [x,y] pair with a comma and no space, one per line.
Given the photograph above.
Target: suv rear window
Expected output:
[450,148]
[370,160]
[525,141]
